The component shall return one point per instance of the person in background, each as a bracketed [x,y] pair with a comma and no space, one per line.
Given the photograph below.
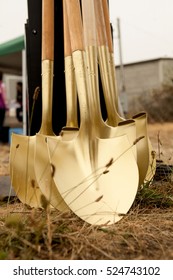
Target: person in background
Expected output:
[19,110]
[3,104]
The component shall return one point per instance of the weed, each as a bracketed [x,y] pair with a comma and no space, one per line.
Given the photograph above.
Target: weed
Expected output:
[149,195]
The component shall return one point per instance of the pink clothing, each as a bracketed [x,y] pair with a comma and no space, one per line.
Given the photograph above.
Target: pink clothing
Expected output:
[2,96]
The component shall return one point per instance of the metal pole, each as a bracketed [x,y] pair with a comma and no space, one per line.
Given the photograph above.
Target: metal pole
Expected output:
[123,84]
[123,87]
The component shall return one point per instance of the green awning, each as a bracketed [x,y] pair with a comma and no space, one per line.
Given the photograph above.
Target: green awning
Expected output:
[12,46]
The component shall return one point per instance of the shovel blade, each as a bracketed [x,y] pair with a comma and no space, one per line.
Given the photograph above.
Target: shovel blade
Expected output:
[22,171]
[100,196]
[44,173]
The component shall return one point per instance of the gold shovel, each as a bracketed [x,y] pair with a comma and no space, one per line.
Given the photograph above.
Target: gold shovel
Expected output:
[103,129]
[43,169]
[24,148]
[88,168]
[144,149]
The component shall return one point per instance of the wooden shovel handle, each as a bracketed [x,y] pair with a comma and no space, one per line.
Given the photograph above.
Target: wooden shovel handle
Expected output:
[75,24]
[107,23]
[89,24]
[67,43]
[47,29]
[100,24]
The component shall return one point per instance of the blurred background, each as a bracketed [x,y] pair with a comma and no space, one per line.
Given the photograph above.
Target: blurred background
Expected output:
[143,49]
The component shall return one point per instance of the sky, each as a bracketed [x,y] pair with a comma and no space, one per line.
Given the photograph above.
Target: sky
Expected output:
[146,26]
[13,16]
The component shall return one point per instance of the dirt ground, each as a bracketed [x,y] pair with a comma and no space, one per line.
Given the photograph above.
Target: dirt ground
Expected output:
[144,233]
[161,136]
[4,159]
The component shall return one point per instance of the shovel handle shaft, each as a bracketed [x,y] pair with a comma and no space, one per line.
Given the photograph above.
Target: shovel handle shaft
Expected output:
[106,65]
[100,24]
[71,93]
[107,23]
[47,65]
[67,43]
[114,94]
[48,29]
[75,24]
[77,46]
[91,59]
[89,23]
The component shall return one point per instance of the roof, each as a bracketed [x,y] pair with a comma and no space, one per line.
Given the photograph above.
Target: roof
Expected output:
[12,46]
[146,61]
[11,55]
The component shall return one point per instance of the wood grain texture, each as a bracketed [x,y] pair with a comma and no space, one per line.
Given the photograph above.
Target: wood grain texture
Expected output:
[100,23]
[67,42]
[48,29]
[75,24]
[89,24]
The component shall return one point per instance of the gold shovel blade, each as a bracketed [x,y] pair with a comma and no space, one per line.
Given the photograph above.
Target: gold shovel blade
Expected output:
[22,171]
[101,196]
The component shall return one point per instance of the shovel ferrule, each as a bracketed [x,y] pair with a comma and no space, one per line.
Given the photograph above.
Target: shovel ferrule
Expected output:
[92,82]
[114,89]
[71,97]
[81,81]
[47,95]
[103,54]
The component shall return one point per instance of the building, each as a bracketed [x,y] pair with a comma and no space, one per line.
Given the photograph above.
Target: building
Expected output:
[144,76]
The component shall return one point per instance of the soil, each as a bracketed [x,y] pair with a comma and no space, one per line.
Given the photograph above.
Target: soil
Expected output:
[161,136]
[4,159]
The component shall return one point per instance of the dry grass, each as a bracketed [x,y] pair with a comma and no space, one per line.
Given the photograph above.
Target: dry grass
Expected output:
[145,233]
[4,159]
[156,103]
